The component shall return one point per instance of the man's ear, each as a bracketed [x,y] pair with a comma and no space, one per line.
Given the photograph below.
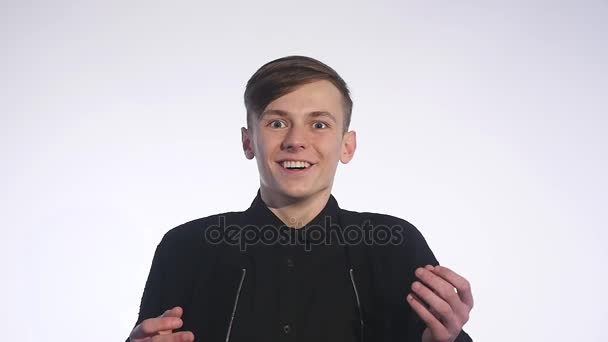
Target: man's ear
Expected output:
[349,145]
[246,139]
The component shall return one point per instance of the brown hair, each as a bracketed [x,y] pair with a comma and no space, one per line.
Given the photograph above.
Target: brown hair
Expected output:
[282,76]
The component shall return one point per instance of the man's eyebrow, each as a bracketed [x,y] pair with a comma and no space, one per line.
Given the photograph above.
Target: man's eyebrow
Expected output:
[314,114]
[323,113]
[274,112]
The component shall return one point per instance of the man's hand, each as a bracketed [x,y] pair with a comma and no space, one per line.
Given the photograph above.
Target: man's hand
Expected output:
[448,301]
[160,329]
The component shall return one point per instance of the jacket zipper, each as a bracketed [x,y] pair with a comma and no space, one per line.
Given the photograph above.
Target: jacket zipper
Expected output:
[361,323]
[236,303]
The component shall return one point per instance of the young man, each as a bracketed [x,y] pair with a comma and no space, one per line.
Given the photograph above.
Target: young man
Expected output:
[295,266]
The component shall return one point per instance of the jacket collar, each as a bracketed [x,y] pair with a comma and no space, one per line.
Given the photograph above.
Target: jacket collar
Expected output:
[259,213]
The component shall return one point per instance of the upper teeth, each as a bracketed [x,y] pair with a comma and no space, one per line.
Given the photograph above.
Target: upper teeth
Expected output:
[290,164]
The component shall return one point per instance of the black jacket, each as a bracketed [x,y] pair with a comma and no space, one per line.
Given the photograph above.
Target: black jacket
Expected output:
[190,269]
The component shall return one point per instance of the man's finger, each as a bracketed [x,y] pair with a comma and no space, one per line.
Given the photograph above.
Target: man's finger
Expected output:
[182,336]
[437,328]
[460,283]
[443,288]
[173,312]
[442,309]
[152,326]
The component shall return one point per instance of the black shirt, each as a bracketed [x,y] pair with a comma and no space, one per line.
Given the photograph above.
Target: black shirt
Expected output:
[277,292]
[301,291]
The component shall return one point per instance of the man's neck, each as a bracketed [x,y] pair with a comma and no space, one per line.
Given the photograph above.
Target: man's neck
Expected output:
[296,213]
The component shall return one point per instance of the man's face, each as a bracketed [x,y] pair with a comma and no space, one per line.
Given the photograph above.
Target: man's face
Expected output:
[305,125]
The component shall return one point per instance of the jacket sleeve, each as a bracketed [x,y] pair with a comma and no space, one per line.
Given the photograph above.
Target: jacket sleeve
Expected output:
[150,305]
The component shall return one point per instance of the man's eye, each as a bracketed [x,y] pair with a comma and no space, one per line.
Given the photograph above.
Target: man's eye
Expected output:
[277,124]
[320,124]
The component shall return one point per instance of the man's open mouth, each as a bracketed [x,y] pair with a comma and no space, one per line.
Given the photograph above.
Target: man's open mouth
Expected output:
[295,165]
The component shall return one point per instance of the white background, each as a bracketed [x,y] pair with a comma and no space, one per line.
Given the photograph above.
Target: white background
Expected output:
[483,123]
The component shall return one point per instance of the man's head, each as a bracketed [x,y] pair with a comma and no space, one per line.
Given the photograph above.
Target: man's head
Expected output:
[298,109]
[281,76]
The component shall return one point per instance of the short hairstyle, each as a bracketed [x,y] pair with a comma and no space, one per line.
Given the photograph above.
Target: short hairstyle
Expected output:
[282,76]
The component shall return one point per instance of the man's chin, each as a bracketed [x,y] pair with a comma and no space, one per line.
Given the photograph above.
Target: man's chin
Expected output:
[296,191]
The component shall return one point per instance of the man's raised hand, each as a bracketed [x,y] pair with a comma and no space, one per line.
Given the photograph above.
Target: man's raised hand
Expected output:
[443,300]
[160,329]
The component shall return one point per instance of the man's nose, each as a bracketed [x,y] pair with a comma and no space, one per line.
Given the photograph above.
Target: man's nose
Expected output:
[295,139]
